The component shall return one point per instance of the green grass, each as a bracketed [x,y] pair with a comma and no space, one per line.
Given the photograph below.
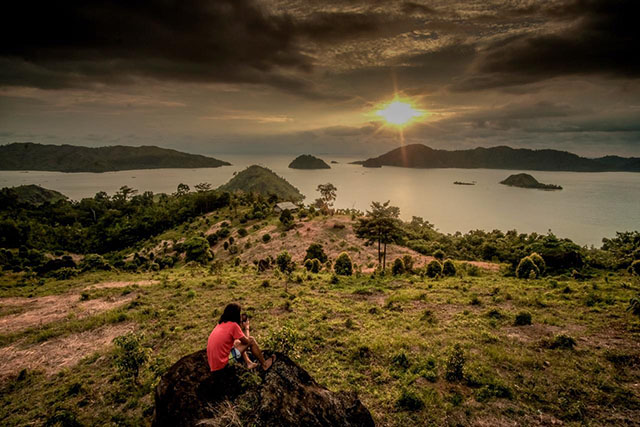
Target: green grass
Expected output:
[390,339]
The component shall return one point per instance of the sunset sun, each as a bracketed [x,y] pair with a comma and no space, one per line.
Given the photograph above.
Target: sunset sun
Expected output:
[399,113]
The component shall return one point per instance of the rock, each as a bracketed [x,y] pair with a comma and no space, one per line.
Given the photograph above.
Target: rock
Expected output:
[286,395]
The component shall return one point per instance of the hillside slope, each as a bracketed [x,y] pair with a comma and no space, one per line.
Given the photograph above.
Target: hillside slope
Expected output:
[33,194]
[71,158]
[421,156]
[263,181]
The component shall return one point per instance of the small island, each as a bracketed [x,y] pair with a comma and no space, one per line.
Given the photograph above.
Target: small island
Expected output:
[464,183]
[524,180]
[307,161]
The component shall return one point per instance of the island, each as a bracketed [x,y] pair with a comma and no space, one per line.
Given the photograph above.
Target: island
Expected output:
[524,180]
[259,180]
[73,158]
[33,195]
[421,156]
[307,161]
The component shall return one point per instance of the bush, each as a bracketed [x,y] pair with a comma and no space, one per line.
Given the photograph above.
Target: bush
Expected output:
[563,342]
[448,268]
[410,401]
[439,254]
[266,237]
[317,266]
[635,267]
[315,250]
[634,306]
[64,273]
[455,364]
[197,249]
[343,265]
[408,262]
[94,262]
[434,268]
[286,218]
[242,232]
[284,263]
[523,318]
[539,262]
[398,267]
[284,340]
[130,355]
[166,262]
[308,264]
[527,269]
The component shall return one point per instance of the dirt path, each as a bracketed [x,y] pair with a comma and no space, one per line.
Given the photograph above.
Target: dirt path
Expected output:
[110,285]
[51,308]
[56,354]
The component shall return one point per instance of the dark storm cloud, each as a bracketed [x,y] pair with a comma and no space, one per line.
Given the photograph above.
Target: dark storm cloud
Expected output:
[75,43]
[603,40]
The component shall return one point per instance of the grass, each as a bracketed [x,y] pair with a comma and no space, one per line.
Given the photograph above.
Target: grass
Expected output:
[390,339]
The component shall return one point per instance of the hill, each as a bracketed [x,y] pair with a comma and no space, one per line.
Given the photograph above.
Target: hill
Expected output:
[307,161]
[32,194]
[72,158]
[421,156]
[256,179]
[525,180]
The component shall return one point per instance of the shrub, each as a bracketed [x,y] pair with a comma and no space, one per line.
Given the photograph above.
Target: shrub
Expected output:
[400,360]
[634,306]
[197,249]
[563,342]
[212,239]
[434,268]
[65,273]
[284,263]
[130,355]
[316,265]
[233,249]
[410,401]
[408,262]
[635,267]
[315,250]
[448,268]
[266,237]
[523,318]
[539,262]
[308,264]
[527,269]
[94,262]
[284,340]
[242,232]
[398,267]
[343,265]
[166,262]
[286,218]
[439,254]
[455,364]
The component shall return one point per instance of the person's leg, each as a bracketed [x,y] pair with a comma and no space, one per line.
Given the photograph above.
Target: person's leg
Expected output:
[255,350]
[250,364]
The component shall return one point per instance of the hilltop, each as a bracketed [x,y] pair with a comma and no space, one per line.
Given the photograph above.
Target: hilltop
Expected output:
[307,161]
[256,179]
[31,195]
[421,156]
[72,158]
[525,180]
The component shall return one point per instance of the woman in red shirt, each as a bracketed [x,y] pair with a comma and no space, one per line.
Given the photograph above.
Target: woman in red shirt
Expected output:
[227,341]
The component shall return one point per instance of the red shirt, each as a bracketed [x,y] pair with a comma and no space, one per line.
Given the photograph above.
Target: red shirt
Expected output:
[220,344]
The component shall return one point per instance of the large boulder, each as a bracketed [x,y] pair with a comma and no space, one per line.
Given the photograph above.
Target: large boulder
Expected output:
[285,395]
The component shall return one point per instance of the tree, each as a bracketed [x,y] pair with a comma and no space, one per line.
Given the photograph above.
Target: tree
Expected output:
[327,196]
[123,194]
[197,249]
[182,189]
[286,266]
[343,265]
[286,218]
[316,251]
[382,226]
[202,187]
[130,355]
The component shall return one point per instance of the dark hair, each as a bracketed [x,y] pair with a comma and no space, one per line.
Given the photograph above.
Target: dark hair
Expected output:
[231,313]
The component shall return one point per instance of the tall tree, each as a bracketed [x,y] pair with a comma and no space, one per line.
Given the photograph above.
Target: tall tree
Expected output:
[382,226]
[327,196]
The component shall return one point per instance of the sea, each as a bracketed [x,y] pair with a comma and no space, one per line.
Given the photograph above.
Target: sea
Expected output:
[590,206]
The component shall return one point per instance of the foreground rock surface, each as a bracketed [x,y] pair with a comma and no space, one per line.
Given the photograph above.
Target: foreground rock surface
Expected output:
[286,395]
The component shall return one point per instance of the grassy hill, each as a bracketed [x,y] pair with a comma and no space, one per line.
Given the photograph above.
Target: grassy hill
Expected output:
[71,158]
[421,156]
[259,180]
[33,194]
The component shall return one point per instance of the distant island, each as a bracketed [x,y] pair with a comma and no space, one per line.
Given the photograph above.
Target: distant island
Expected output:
[72,158]
[333,162]
[525,180]
[263,181]
[307,161]
[33,195]
[421,156]
[464,183]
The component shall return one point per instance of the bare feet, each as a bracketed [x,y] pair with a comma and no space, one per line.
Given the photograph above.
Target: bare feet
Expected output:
[252,365]
[267,363]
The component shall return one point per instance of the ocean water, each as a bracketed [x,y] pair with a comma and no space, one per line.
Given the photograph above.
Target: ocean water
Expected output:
[590,206]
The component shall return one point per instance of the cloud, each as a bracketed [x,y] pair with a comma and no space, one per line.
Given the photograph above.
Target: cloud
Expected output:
[598,37]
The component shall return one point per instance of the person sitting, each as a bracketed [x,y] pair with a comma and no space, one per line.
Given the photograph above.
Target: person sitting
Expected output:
[247,333]
[227,341]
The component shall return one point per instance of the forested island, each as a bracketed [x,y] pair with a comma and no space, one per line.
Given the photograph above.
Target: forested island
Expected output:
[263,181]
[307,161]
[524,180]
[72,158]
[421,156]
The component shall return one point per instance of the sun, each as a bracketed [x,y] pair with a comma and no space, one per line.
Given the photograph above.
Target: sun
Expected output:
[399,112]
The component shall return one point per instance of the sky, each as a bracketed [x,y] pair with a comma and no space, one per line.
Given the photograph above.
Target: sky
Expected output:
[307,76]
